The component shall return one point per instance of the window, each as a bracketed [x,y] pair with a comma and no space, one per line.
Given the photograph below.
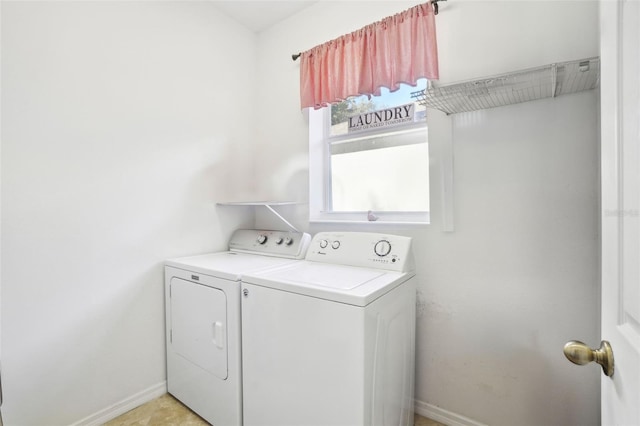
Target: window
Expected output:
[370,155]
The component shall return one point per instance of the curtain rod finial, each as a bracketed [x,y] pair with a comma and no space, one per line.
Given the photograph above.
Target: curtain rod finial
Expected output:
[295,56]
[435,5]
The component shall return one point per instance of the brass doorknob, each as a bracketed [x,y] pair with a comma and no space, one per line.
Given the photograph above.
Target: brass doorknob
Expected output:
[581,354]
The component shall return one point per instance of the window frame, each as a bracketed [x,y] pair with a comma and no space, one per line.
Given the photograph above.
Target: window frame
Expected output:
[320,196]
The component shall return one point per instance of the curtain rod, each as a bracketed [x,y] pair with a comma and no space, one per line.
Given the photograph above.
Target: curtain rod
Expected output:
[295,56]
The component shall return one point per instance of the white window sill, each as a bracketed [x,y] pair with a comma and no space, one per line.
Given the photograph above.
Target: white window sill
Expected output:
[376,223]
[396,219]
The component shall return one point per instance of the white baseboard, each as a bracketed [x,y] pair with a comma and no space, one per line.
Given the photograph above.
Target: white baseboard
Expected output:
[424,409]
[443,416]
[123,406]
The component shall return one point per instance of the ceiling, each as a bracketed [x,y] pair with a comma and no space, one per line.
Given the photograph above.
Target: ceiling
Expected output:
[260,15]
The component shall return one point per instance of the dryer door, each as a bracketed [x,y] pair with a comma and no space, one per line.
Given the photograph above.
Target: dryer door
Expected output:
[199,325]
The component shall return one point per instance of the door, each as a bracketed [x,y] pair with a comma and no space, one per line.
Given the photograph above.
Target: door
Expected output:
[198,325]
[620,174]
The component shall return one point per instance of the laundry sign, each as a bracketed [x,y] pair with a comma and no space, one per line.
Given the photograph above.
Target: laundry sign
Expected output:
[382,118]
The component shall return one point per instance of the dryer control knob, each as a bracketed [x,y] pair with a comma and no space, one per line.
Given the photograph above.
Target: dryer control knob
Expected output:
[288,241]
[324,243]
[261,239]
[382,248]
[335,245]
[279,240]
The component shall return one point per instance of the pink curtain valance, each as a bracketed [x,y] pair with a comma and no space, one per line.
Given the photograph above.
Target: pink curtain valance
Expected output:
[399,49]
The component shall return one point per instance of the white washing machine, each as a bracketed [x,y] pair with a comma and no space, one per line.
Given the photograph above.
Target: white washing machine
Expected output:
[331,340]
[203,328]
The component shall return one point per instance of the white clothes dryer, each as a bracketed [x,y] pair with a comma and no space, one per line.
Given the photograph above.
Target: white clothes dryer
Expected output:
[331,340]
[203,331]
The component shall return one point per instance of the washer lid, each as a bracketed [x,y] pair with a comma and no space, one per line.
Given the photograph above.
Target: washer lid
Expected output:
[339,283]
[339,277]
[228,265]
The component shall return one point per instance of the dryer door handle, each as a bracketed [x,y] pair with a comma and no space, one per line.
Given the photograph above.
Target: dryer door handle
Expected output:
[218,334]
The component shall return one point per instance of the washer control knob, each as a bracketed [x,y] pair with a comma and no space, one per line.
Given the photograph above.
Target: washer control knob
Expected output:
[261,239]
[279,240]
[288,241]
[382,248]
[335,245]
[324,243]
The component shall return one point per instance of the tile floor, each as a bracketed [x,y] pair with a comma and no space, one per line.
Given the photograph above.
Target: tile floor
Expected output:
[167,411]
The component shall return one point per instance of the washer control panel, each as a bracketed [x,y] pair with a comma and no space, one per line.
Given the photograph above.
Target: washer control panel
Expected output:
[270,243]
[364,249]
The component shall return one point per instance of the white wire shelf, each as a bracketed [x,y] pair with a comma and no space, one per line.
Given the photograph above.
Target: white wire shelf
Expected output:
[257,203]
[520,86]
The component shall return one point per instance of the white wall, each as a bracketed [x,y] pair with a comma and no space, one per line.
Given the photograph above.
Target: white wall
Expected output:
[500,296]
[122,124]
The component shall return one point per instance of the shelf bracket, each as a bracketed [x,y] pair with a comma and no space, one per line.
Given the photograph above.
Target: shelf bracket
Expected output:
[279,216]
[268,205]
